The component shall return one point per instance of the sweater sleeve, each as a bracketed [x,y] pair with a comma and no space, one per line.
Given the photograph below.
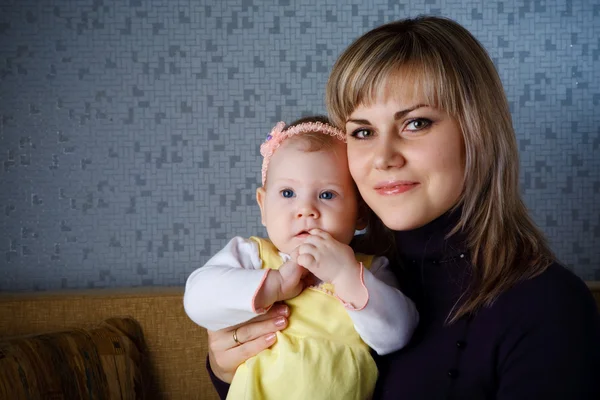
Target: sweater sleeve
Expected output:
[220,294]
[389,318]
[555,351]
[222,388]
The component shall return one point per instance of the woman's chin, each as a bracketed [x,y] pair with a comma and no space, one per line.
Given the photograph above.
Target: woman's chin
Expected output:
[405,222]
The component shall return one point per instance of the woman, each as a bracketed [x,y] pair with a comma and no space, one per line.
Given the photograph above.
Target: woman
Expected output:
[432,150]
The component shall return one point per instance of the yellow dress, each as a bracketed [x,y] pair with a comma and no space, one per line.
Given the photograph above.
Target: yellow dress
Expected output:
[318,356]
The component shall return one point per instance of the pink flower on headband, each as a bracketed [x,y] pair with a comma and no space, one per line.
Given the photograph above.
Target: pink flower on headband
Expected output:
[278,135]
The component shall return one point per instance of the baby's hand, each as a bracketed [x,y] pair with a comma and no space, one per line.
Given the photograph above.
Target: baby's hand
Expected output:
[285,283]
[291,282]
[334,262]
[328,259]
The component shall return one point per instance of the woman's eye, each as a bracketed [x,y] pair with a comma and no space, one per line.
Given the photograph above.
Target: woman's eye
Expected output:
[287,193]
[327,195]
[418,124]
[361,133]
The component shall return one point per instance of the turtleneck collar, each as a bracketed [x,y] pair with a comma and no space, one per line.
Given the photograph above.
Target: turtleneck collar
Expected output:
[429,243]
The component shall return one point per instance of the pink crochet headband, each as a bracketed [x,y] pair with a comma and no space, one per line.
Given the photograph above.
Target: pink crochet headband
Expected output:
[278,135]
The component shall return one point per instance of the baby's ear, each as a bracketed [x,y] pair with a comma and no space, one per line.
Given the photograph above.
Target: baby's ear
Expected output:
[362,219]
[260,199]
[361,223]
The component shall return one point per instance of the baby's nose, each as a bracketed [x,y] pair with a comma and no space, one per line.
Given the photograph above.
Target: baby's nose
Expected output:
[308,210]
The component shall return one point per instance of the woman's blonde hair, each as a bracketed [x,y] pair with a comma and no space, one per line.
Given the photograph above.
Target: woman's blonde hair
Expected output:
[454,73]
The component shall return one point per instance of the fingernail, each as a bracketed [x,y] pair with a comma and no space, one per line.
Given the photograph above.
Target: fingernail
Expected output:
[270,337]
[283,310]
[280,321]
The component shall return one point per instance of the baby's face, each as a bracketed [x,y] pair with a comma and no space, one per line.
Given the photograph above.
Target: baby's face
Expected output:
[307,190]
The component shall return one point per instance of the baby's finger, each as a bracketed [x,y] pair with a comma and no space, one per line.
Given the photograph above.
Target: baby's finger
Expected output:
[318,241]
[309,245]
[294,254]
[320,233]
[306,260]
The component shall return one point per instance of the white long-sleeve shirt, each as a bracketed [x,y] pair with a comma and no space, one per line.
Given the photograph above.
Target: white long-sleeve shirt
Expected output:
[220,294]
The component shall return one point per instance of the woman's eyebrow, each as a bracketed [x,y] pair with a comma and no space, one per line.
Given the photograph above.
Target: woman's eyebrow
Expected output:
[402,113]
[359,121]
[398,115]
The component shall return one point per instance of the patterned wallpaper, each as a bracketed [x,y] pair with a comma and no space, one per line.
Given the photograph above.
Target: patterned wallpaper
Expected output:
[129,130]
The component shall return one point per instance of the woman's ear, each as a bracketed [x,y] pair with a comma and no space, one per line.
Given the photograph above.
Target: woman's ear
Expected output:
[260,199]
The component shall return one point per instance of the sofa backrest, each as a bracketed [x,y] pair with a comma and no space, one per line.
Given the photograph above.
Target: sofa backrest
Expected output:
[177,347]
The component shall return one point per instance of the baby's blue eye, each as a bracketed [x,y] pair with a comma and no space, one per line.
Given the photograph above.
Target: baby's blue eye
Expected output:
[287,193]
[327,195]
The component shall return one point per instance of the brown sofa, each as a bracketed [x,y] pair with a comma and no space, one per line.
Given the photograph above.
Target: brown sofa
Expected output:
[176,347]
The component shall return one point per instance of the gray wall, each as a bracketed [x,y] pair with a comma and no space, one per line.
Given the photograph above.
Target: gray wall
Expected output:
[129,130]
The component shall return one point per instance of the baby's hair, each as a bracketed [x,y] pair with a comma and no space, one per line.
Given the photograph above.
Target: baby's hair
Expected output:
[309,128]
[312,141]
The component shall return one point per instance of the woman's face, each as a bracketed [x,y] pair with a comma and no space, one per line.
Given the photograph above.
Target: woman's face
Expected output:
[407,159]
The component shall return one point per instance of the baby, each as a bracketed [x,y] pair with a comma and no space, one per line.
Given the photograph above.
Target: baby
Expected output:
[342,304]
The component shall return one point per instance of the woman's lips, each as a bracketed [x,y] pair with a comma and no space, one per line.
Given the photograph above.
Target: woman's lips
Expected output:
[392,188]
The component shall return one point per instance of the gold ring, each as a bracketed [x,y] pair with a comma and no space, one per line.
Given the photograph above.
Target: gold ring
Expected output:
[235,339]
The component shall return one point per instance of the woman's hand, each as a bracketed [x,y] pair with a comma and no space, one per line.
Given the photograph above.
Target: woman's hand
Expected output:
[256,335]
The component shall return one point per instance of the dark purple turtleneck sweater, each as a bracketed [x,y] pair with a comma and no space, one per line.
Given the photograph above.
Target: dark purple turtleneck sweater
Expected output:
[539,340]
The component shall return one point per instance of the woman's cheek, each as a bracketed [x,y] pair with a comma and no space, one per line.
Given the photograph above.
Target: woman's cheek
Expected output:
[356,164]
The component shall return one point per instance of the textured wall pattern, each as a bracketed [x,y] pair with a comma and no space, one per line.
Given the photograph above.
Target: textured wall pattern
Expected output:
[129,130]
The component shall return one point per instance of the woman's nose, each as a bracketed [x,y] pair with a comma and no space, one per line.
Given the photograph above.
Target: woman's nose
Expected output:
[388,154]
